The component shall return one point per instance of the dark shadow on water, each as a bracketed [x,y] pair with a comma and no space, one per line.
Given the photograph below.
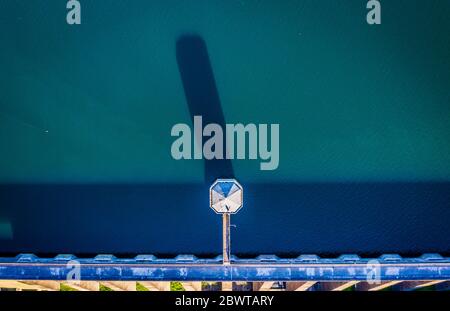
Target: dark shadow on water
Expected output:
[284,219]
[201,94]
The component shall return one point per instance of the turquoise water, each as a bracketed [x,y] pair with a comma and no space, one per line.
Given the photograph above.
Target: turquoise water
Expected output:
[363,110]
[353,102]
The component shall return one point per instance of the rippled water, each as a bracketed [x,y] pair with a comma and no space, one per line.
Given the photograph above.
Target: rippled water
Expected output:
[86,113]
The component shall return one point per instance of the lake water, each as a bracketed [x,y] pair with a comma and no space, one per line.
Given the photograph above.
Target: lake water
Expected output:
[86,113]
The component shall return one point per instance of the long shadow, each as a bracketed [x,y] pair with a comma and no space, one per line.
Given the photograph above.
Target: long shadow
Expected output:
[201,94]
